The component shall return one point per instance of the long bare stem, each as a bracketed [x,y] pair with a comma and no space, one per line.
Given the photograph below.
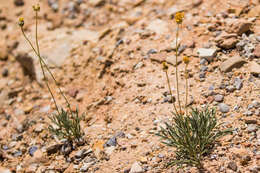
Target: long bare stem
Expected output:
[186,83]
[43,62]
[45,80]
[176,67]
[170,90]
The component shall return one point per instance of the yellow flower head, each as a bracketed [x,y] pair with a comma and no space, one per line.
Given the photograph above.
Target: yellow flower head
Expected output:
[179,17]
[36,7]
[186,60]
[165,66]
[21,22]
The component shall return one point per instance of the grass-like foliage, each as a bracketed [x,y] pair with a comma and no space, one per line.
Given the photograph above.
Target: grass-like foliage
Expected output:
[68,125]
[193,136]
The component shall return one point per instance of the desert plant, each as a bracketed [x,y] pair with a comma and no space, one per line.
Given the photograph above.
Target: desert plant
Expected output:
[192,133]
[68,125]
[193,136]
[68,122]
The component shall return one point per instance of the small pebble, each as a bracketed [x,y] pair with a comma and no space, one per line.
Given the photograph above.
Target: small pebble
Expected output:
[232,165]
[202,74]
[256,104]
[238,83]
[32,150]
[152,51]
[223,108]
[252,127]
[219,98]
[5,72]
[204,68]
[111,142]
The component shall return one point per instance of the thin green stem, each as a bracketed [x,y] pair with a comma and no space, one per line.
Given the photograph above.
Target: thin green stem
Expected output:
[176,67]
[170,90]
[187,89]
[45,80]
[45,65]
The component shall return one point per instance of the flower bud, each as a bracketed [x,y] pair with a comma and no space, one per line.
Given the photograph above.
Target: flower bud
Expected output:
[36,7]
[165,66]
[186,60]
[21,22]
[179,17]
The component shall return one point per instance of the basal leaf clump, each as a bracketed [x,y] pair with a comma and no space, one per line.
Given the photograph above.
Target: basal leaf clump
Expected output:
[193,136]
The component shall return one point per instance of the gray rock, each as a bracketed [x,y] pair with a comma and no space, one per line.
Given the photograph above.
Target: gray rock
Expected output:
[206,53]
[111,142]
[86,166]
[252,127]
[202,75]
[138,65]
[240,45]
[248,113]
[232,165]
[256,104]
[66,148]
[250,106]
[54,5]
[223,108]
[230,88]
[152,51]
[32,150]
[203,68]
[17,137]
[238,83]
[136,168]
[17,153]
[203,61]
[219,98]
[168,99]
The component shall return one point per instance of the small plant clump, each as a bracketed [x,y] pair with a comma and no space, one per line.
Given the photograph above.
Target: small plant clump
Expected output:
[68,125]
[193,133]
[67,121]
[193,136]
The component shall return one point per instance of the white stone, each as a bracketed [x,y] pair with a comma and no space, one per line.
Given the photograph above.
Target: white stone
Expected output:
[136,168]
[206,53]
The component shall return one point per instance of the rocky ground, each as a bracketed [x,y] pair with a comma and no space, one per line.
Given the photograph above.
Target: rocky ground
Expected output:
[106,55]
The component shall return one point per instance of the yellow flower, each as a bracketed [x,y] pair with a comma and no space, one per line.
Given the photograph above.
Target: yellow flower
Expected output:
[36,7]
[21,22]
[186,60]
[179,17]
[165,66]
